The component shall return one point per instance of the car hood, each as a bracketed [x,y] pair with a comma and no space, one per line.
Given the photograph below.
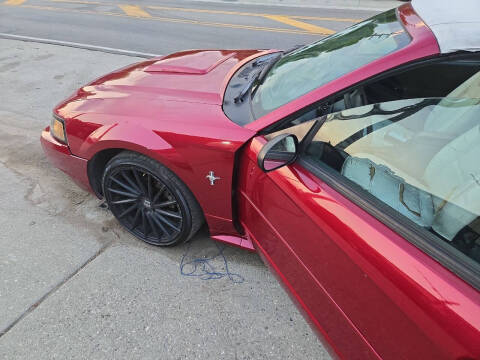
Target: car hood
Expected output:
[198,76]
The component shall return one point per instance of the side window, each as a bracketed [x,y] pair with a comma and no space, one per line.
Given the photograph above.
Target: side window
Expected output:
[418,156]
[434,78]
[299,130]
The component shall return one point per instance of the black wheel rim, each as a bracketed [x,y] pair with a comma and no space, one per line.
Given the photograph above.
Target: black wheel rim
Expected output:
[144,204]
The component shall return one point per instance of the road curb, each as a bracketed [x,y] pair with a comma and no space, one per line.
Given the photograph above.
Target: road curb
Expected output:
[78,46]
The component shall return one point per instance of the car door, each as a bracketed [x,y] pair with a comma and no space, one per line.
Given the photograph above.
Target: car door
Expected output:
[373,282]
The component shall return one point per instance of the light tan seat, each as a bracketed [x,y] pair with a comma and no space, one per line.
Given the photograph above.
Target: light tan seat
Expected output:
[448,118]
[426,166]
[453,176]
[448,197]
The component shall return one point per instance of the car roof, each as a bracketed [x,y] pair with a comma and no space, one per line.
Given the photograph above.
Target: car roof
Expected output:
[456,25]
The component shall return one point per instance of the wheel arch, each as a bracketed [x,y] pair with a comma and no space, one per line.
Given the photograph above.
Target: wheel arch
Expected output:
[98,161]
[110,140]
[96,166]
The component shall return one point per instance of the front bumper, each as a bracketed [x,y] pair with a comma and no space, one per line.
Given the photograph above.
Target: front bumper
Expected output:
[61,157]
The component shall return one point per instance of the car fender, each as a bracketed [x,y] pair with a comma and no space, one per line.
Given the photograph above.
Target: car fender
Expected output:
[138,139]
[215,201]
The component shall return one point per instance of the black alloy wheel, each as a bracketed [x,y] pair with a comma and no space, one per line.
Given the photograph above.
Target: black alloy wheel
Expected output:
[147,199]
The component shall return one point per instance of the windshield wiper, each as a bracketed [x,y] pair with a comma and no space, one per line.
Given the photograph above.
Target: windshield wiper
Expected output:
[292,49]
[260,76]
[246,89]
[268,67]
[257,78]
[264,59]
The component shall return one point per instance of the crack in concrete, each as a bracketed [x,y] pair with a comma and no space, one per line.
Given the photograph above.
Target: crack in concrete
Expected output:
[37,192]
[53,290]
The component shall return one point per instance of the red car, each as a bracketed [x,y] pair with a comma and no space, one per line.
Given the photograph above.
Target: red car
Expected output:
[350,165]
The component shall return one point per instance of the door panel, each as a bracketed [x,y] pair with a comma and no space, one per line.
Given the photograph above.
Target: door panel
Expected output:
[326,318]
[368,291]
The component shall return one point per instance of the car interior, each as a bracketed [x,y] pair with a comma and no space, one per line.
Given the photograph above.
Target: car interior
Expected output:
[432,78]
[418,156]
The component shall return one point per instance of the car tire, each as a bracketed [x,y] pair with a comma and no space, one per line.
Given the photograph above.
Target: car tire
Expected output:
[149,200]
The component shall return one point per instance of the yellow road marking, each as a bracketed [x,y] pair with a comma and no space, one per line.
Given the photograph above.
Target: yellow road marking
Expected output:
[301,17]
[223,12]
[79,2]
[300,24]
[133,10]
[14,2]
[241,13]
[183,21]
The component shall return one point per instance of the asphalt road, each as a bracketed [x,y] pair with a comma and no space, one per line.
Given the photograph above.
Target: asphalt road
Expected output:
[73,284]
[161,27]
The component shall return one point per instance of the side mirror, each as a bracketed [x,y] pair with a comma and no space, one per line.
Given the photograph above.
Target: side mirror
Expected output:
[280,151]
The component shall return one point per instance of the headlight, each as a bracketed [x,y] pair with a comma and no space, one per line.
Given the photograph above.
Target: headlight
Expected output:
[57,129]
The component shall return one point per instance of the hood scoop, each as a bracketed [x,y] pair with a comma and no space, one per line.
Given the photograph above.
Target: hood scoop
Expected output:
[194,62]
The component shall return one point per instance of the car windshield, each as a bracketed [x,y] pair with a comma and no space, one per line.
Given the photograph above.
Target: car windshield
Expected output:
[306,69]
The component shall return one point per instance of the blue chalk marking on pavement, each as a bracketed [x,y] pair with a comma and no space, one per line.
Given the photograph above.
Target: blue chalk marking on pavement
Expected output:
[205,270]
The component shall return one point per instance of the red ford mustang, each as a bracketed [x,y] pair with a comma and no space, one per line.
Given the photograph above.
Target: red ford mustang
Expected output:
[351,166]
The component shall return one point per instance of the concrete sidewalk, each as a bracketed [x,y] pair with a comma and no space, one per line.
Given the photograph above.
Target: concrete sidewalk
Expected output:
[74,285]
[378,5]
